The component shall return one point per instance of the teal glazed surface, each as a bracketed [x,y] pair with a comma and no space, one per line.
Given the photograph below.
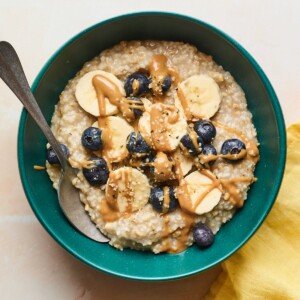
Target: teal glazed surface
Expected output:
[262,102]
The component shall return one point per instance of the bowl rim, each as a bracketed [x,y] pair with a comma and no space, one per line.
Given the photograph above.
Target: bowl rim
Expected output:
[275,104]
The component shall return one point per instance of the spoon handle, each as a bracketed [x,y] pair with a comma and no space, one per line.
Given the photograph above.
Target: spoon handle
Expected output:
[12,74]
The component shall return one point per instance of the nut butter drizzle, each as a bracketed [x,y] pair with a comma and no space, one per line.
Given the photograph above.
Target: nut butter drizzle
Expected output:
[109,207]
[251,146]
[184,104]
[194,138]
[161,116]
[159,70]
[135,87]
[106,88]
[166,202]
[162,167]
[180,242]
[211,157]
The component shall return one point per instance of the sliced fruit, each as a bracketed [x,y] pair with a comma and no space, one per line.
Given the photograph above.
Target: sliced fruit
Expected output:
[199,193]
[183,164]
[167,126]
[129,187]
[87,97]
[115,131]
[147,104]
[145,128]
[199,96]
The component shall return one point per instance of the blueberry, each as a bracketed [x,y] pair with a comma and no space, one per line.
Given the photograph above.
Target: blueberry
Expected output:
[136,144]
[51,156]
[142,85]
[157,198]
[137,102]
[166,84]
[206,130]
[186,143]
[232,146]
[98,173]
[203,235]
[91,138]
[209,150]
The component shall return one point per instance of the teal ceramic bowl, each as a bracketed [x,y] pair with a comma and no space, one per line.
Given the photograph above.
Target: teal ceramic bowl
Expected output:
[263,104]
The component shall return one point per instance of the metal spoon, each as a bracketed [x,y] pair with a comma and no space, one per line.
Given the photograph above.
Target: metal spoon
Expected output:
[12,73]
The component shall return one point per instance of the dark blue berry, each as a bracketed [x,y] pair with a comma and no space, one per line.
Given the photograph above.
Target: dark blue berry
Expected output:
[143,87]
[98,173]
[91,138]
[209,150]
[203,235]
[157,198]
[136,144]
[186,143]
[206,130]
[232,146]
[51,156]
[166,84]
[137,102]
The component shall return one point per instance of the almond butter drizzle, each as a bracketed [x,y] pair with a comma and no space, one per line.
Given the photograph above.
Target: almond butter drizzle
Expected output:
[166,202]
[105,88]
[234,195]
[226,186]
[207,158]
[184,104]
[180,235]
[251,146]
[182,240]
[128,192]
[135,87]
[38,168]
[87,164]
[159,123]
[103,124]
[194,138]
[109,207]
[159,70]
[162,167]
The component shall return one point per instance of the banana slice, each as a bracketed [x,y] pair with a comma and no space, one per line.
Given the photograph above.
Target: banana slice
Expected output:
[129,187]
[115,133]
[199,96]
[199,193]
[147,104]
[87,97]
[167,126]
[145,128]
[183,163]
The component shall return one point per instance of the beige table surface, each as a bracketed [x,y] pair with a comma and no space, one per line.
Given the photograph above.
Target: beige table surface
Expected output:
[32,265]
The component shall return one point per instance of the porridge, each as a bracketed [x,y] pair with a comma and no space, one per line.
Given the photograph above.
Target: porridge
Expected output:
[164,142]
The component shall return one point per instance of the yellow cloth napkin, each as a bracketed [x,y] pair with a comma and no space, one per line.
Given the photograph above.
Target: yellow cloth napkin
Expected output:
[268,266]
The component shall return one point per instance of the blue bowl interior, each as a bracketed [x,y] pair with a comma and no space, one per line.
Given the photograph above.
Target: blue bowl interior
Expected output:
[262,102]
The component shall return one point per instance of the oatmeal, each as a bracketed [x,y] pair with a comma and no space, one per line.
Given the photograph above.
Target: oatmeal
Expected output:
[164,141]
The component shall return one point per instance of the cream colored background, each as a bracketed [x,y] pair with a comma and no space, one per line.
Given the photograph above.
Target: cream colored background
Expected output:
[32,265]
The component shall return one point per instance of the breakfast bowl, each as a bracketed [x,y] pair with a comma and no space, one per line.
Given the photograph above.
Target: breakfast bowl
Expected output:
[262,103]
